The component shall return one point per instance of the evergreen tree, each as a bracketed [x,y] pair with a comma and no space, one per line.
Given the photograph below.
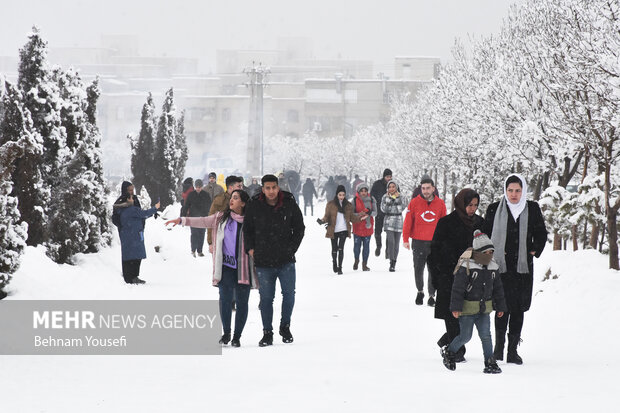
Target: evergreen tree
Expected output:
[165,158]
[19,149]
[181,155]
[143,149]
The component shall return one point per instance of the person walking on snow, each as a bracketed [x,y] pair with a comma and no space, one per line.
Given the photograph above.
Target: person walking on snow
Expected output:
[423,213]
[363,203]
[308,190]
[379,188]
[392,205]
[197,204]
[338,218]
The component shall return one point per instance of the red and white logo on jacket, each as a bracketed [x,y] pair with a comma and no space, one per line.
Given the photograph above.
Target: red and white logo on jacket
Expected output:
[428,216]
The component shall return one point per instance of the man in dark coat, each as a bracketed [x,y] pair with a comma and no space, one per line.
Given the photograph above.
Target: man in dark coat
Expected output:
[309,191]
[379,188]
[329,189]
[517,272]
[273,228]
[197,204]
[453,235]
[254,188]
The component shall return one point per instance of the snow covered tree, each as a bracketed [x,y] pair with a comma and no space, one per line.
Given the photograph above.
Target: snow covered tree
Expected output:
[143,149]
[165,158]
[181,155]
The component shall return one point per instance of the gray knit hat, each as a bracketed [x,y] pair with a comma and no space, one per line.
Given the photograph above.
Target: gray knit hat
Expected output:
[362,185]
[482,242]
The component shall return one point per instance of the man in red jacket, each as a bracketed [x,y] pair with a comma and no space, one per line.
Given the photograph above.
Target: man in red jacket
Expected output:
[421,219]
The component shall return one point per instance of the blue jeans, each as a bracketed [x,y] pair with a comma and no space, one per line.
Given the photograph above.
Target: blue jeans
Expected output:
[267,289]
[227,285]
[483,325]
[197,238]
[358,243]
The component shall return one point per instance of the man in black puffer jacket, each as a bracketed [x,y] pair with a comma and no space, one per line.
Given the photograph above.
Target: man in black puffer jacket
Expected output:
[273,228]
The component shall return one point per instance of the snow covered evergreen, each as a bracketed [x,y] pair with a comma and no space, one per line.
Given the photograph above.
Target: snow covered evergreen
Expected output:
[143,148]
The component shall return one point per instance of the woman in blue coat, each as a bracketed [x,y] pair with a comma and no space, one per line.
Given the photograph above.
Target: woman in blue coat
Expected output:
[131,234]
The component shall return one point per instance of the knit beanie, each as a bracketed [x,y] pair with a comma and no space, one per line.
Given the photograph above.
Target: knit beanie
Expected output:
[212,175]
[362,185]
[387,172]
[482,242]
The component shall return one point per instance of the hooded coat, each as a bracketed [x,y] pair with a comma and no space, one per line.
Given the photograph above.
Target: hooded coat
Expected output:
[131,232]
[393,208]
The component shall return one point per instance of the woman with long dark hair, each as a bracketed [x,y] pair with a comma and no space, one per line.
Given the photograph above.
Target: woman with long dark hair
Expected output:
[233,268]
[453,235]
[517,229]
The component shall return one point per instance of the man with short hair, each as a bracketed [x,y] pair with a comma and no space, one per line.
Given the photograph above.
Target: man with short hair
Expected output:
[379,188]
[421,219]
[197,204]
[212,188]
[273,228]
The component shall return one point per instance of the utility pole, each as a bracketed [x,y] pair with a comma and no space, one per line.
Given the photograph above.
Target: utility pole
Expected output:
[255,154]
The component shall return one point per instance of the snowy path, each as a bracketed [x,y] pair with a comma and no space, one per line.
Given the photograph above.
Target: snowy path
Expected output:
[361,345]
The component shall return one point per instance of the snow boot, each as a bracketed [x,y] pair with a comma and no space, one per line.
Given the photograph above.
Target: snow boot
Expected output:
[419,299]
[512,356]
[459,356]
[356,265]
[334,262]
[491,367]
[267,339]
[235,341]
[500,340]
[285,332]
[225,339]
[365,266]
[392,265]
[431,301]
[340,259]
[448,360]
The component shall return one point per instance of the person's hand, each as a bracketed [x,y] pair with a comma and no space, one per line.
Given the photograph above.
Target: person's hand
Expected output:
[320,221]
[211,248]
[157,205]
[251,253]
[532,252]
[500,314]
[456,314]
[174,221]
[406,245]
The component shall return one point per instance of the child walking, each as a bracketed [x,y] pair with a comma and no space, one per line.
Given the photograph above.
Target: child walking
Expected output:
[476,291]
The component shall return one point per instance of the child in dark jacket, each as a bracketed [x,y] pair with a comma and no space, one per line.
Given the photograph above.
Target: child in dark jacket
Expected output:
[477,290]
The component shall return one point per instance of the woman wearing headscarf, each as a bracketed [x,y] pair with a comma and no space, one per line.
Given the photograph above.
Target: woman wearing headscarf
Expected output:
[392,205]
[233,268]
[338,218]
[363,230]
[517,229]
[453,235]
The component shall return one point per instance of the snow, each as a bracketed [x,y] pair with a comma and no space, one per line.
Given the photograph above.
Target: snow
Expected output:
[361,345]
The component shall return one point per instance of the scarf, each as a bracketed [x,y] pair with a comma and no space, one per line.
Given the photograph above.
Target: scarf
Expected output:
[517,208]
[498,237]
[367,202]
[462,199]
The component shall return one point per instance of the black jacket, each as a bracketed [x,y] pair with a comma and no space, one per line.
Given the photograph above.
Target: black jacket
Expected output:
[477,285]
[379,188]
[308,190]
[273,232]
[450,240]
[197,204]
[518,288]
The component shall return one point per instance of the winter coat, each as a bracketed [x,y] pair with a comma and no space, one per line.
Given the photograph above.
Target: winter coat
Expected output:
[197,204]
[450,239]
[477,289]
[273,232]
[359,228]
[518,288]
[245,265]
[331,212]
[253,189]
[422,217]
[393,210]
[213,189]
[329,189]
[219,204]
[379,188]
[308,190]
[132,232]
[116,217]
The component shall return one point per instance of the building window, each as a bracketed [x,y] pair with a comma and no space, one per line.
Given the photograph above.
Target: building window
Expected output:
[226,113]
[292,116]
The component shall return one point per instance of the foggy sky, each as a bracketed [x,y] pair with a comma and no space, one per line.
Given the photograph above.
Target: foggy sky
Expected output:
[372,30]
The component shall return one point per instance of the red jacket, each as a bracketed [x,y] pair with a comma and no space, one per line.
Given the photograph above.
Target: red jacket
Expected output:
[421,218]
[359,228]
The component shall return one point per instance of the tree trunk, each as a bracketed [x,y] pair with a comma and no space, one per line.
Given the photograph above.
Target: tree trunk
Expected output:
[612,226]
[557,241]
[575,237]
[594,236]
[585,234]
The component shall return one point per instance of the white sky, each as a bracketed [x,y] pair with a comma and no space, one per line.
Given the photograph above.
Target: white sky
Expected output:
[373,30]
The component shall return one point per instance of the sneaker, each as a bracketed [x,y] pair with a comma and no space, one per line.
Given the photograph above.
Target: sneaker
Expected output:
[285,332]
[431,301]
[491,367]
[448,359]
[200,254]
[225,339]
[267,339]
[235,341]
[419,299]
[194,254]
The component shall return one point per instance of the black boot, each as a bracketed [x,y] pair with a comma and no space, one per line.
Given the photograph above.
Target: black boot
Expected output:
[500,340]
[356,265]
[491,367]
[225,338]
[285,332]
[392,265]
[340,259]
[267,339]
[448,360]
[235,341]
[512,356]
[365,266]
[419,298]
[334,261]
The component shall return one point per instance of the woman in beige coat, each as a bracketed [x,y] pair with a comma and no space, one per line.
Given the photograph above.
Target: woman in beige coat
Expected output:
[338,218]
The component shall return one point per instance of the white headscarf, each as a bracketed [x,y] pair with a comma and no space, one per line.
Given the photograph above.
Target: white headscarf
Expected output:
[517,208]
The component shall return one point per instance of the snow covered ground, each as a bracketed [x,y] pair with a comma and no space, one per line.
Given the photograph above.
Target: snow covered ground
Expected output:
[361,345]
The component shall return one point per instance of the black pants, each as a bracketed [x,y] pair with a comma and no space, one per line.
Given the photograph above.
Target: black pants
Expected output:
[131,269]
[513,322]
[308,202]
[338,246]
[379,228]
